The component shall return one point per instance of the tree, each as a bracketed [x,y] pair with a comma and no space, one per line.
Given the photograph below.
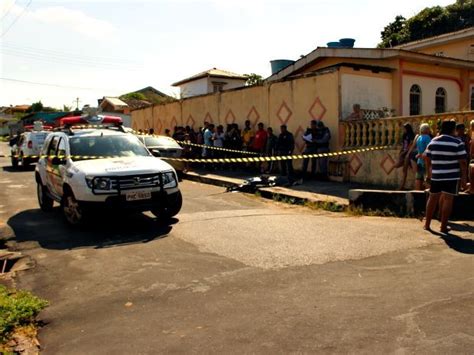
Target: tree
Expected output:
[429,22]
[67,108]
[134,96]
[36,107]
[394,33]
[253,79]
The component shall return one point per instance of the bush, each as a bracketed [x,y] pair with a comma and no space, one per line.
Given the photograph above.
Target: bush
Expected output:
[17,308]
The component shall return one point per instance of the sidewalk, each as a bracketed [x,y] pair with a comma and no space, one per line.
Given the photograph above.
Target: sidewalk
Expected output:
[338,196]
[310,191]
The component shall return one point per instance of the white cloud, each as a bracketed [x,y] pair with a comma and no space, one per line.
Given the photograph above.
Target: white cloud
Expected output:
[69,19]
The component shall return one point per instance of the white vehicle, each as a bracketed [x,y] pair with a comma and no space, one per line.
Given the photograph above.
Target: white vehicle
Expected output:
[126,176]
[28,146]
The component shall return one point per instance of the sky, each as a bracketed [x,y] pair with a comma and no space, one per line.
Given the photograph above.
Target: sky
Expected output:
[90,49]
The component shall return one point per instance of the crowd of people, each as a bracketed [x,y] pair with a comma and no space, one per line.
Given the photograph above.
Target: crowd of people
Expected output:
[261,142]
[412,154]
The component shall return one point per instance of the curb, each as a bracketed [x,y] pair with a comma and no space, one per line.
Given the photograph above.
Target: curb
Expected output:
[276,193]
[212,179]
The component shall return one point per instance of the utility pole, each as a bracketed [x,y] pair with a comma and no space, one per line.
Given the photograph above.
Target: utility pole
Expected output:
[77,103]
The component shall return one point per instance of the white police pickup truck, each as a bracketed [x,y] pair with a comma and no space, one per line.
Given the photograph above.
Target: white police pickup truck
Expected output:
[89,169]
[28,145]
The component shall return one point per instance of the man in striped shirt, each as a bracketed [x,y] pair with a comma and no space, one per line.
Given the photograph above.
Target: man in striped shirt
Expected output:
[446,167]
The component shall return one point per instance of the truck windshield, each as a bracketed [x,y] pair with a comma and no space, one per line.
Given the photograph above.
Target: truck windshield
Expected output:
[122,146]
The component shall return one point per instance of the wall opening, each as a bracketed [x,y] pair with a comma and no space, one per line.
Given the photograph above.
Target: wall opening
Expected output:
[415,100]
[440,103]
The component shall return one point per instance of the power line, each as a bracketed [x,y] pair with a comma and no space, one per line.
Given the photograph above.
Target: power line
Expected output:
[16,19]
[8,11]
[59,60]
[56,85]
[57,53]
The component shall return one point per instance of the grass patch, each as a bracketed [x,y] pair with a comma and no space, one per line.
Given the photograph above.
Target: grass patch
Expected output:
[329,206]
[4,138]
[359,211]
[18,309]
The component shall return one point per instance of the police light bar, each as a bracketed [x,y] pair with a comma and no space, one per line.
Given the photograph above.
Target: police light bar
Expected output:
[35,128]
[90,120]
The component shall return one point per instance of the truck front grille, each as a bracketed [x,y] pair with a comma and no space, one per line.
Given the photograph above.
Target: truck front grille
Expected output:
[135,182]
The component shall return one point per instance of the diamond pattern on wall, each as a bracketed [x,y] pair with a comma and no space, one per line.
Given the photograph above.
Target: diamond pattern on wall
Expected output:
[159,126]
[174,122]
[190,121]
[253,116]
[147,124]
[355,164]
[387,164]
[317,109]
[230,117]
[284,113]
[208,118]
[299,143]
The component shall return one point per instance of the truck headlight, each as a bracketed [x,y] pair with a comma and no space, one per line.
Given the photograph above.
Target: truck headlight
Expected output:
[98,183]
[169,180]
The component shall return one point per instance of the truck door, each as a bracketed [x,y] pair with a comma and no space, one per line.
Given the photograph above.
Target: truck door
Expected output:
[51,170]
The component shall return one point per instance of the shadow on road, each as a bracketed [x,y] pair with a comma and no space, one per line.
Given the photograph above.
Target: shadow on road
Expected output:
[10,169]
[455,242]
[52,232]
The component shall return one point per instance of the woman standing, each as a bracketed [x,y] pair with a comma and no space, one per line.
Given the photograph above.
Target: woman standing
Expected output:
[404,158]
[422,141]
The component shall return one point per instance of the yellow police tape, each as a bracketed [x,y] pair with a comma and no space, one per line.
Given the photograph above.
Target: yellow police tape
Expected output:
[218,160]
[216,148]
[179,142]
[198,145]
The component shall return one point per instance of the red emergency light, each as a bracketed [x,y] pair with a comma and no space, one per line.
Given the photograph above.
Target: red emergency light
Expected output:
[43,128]
[87,120]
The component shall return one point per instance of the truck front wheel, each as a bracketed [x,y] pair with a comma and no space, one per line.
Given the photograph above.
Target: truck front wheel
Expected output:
[175,202]
[73,212]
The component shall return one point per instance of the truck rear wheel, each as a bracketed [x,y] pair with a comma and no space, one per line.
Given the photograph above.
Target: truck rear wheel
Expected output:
[45,202]
[14,161]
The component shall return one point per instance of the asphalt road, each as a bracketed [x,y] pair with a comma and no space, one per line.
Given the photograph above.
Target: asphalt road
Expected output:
[237,274]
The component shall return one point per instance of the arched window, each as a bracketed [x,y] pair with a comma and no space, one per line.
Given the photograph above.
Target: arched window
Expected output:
[415,100]
[440,100]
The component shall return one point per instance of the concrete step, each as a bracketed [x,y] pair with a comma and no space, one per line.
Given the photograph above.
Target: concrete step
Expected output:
[407,203]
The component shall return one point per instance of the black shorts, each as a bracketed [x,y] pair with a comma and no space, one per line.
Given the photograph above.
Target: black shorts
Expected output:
[447,186]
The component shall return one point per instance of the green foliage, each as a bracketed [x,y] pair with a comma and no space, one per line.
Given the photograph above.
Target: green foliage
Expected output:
[133,96]
[67,108]
[36,107]
[17,308]
[429,22]
[253,79]
[19,115]
[394,33]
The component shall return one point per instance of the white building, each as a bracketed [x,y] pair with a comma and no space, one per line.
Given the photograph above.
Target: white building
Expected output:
[210,81]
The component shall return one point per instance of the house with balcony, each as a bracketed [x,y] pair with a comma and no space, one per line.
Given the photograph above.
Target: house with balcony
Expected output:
[209,82]
[363,95]
[420,78]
